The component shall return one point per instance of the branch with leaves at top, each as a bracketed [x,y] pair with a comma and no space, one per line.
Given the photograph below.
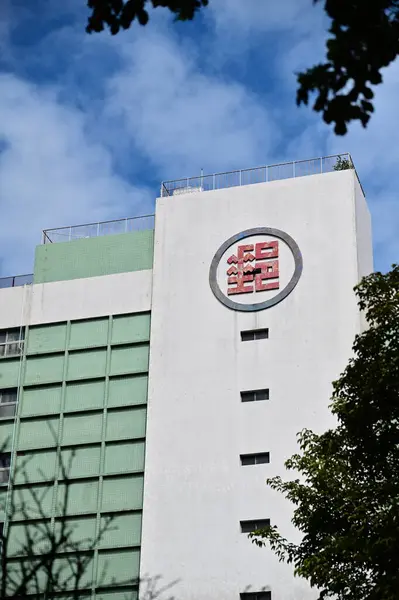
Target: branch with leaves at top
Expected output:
[364,39]
[120,14]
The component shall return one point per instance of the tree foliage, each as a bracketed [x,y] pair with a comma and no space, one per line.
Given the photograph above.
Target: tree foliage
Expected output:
[364,39]
[343,164]
[117,14]
[347,496]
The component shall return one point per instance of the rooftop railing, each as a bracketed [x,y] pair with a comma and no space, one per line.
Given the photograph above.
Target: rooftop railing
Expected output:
[90,230]
[218,181]
[16,281]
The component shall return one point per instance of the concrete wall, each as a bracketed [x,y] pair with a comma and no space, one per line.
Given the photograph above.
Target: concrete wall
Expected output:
[363,232]
[75,299]
[94,256]
[81,382]
[196,492]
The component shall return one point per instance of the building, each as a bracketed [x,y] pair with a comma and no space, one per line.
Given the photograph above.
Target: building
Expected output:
[157,371]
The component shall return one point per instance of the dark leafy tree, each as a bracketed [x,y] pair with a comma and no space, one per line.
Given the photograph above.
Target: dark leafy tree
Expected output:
[346,497]
[364,39]
[117,14]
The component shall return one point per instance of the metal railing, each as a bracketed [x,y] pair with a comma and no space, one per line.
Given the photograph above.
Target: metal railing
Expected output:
[90,230]
[16,281]
[218,181]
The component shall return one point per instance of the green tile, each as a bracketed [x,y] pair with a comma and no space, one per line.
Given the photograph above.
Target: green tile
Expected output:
[116,594]
[81,462]
[46,338]
[91,332]
[126,423]
[131,328]
[77,497]
[35,536]
[82,429]
[6,435]
[41,400]
[33,502]
[43,369]
[89,363]
[128,390]
[94,256]
[130,359]
[122,457]
[121,530]
[81,531]
[122,493]
[9,372]
[84,395]
[40,433]
[119,566]
[35,466]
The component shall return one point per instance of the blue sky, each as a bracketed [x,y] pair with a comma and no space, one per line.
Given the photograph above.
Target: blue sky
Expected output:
[90,125]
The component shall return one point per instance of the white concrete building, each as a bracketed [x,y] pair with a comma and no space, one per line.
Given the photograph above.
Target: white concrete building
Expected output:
[253,315]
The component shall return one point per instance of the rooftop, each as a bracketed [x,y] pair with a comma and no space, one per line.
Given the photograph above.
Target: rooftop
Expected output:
[288,170]
[201,183]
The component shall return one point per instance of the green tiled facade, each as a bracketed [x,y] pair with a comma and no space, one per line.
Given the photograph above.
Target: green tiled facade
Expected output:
[94,256]
[78,441]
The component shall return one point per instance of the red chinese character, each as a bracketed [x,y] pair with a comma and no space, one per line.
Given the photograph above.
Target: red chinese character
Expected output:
[268,270]
[266,250]
[240,273]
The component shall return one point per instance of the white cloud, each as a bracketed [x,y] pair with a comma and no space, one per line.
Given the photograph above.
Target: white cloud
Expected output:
[170,108]
[51,174]
[182,119]
[253,16]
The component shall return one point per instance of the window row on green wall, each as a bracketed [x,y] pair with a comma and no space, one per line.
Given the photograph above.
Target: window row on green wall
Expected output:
[115,530]
[80,396]
[78,497]
[75,366]
[75,429]
[80,461]
[115,568]
[113,592]
[89,333]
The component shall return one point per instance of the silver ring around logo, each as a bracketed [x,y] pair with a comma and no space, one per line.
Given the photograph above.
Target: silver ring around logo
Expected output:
[267,303]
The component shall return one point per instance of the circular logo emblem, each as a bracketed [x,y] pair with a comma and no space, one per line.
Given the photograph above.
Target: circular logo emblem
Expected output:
[255,269]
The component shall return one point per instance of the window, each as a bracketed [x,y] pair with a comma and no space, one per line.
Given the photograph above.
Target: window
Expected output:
[5,461]
[255,395]
[255,459]
[254,334]
[8,403]
[11,341]
[256,596]
[254,525]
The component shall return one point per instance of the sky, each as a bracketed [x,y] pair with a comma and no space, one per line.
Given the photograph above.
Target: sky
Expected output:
[91,124]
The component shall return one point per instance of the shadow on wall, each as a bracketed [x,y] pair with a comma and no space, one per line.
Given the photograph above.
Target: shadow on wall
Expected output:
[47,551]
[152,588]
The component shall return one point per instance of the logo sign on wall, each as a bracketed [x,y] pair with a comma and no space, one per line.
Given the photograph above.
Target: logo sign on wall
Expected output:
[255,269]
